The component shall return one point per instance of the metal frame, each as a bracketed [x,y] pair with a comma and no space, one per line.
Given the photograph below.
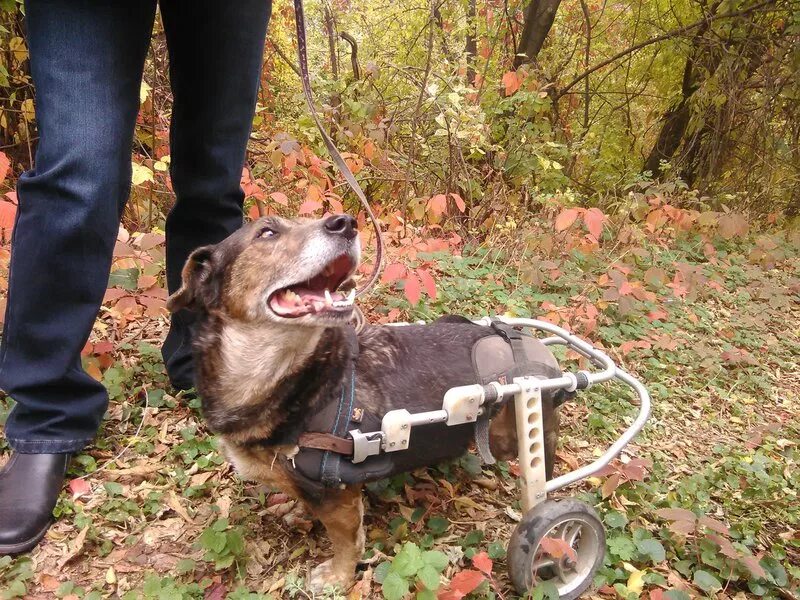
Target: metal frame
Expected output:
[463,405]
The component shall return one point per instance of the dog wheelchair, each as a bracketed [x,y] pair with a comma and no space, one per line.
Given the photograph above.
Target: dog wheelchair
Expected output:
[579,535]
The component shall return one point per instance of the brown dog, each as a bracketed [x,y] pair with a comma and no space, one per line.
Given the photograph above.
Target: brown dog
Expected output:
[275,353]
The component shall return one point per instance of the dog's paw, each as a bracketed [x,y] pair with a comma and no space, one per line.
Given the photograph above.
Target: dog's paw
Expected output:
[325,576]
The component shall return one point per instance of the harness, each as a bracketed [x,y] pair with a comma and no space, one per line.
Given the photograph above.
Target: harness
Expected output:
[334,451]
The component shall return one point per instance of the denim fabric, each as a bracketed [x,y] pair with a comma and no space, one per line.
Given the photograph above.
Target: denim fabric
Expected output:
[87,58]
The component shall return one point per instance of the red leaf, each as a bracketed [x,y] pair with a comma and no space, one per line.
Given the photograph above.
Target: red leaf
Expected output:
[280,198]
[79,487]
[462,206]
[557,548]
[103,347]
[752,564]
[676,514]
[217,592]
[8,213]
[393,272]
[594,219]
[657,594]
[309,206]
[566,218]
[511,82]
[427,282]
[412,289]
[715,525]
[437,204]
[483,563]
[466,581]
[5,166]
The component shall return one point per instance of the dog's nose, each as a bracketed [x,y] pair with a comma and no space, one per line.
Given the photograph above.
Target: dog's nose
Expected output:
[343,225]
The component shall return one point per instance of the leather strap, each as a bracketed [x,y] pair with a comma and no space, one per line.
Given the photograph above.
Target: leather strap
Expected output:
[300,24]
[326,441]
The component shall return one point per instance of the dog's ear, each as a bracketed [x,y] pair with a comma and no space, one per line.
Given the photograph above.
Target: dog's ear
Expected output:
[200,287]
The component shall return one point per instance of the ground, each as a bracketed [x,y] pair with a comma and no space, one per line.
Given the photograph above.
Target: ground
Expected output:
[152,510]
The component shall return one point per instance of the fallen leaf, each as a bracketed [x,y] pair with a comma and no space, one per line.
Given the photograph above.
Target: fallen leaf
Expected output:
[79,487]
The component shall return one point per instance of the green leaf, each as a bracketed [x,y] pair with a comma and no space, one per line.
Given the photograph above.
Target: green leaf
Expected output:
[113,488]
[706,581]
[220,525]
[124,278]
[677,595]
[185,565]
[426,595]
[473,537]
[615,519]
[434,558]
[408,561]
[429,577]
[621,547]
[496,550]
[394,586]
[438,525]
[776,571]
[381,571]
[653,549]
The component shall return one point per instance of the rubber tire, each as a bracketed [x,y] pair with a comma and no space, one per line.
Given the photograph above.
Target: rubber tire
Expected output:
[534,526]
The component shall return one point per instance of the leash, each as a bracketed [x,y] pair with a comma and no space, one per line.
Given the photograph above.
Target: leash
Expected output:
[300,23]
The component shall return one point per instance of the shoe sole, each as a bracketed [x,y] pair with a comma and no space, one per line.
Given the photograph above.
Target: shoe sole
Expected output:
[27,545]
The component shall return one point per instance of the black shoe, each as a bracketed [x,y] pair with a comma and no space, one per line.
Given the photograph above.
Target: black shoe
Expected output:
[29,488]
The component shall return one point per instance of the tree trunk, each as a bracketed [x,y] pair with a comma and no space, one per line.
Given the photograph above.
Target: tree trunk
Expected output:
[330,29]
[471,46]
[539,17]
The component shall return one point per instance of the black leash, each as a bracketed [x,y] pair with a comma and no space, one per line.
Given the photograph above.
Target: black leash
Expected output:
[337,158]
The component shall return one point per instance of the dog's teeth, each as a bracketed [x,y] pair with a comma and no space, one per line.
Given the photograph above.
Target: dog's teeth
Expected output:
[351,297]
[328,299]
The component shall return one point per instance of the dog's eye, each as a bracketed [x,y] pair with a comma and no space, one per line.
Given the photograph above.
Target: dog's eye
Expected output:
[266,232]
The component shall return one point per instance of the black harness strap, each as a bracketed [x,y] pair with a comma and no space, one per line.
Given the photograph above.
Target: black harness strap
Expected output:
[329,472]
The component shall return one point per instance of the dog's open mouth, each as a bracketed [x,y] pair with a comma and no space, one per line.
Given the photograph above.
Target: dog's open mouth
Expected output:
[318,295]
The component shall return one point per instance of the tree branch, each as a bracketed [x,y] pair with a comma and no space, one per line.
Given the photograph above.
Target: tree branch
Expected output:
[660,38]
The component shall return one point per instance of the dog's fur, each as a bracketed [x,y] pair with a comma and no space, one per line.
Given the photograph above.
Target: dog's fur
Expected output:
[261,376]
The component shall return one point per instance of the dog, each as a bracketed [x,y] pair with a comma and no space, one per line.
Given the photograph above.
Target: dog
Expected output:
[274,349]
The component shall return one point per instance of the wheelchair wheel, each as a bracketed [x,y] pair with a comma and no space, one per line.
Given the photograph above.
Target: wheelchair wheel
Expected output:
[571,555]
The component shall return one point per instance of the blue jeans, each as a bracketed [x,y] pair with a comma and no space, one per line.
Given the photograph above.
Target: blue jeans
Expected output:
[87,58]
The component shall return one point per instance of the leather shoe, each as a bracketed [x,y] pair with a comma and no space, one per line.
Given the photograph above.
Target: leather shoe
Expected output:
[29,488]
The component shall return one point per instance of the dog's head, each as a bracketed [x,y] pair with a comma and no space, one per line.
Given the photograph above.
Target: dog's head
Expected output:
[276,270]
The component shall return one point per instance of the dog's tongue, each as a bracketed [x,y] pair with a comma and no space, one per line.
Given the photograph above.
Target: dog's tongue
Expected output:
[300,301]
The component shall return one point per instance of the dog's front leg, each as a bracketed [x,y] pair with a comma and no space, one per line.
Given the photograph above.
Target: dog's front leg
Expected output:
[342,514]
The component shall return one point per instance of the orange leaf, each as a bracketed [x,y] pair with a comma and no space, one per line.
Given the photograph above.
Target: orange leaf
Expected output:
[511,82]
[437,204]
[462,206]
[427,282]
[594,219]
[412,289]
[5,166]
[566,218]
[369,149]
[393,272]
[483,563]
[610,484]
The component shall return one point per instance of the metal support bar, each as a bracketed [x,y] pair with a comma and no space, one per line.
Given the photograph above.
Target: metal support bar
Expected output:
[530,441]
